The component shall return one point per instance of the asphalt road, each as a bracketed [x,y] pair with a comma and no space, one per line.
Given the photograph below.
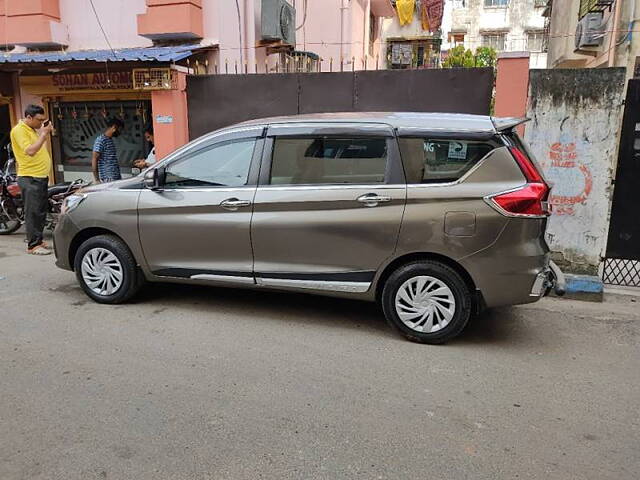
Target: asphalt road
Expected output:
[197,383]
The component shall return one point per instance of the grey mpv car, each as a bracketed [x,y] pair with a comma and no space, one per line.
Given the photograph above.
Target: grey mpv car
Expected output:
[435,216]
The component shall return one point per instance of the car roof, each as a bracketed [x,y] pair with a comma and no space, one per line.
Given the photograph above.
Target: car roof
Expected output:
[455,122]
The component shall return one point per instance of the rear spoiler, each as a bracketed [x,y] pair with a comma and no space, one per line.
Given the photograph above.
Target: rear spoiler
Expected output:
[507,123]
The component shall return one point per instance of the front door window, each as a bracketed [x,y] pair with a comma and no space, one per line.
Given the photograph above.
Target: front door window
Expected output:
[223,165]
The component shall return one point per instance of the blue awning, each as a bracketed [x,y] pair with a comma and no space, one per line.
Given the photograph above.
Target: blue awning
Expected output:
[149,54]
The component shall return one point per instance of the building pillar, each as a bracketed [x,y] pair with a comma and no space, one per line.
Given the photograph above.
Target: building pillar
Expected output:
[512,86]
[170,121]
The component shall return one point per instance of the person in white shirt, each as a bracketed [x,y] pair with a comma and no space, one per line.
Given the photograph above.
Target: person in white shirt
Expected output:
[143,163]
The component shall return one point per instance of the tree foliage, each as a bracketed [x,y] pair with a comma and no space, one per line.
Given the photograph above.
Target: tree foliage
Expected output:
[461,58]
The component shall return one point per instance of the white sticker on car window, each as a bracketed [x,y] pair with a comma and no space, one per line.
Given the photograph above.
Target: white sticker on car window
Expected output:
[457,150]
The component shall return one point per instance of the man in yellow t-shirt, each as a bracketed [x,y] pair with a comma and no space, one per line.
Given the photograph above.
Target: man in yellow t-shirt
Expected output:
[34,163]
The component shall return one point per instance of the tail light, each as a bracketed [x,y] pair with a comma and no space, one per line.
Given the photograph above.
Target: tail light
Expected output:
[13,189]
[530,200]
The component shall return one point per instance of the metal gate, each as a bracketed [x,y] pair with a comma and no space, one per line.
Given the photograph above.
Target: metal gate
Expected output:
[216,101]
[622,262]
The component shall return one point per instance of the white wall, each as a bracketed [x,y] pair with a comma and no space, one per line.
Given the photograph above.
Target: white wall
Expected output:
[576,116]
[118,18]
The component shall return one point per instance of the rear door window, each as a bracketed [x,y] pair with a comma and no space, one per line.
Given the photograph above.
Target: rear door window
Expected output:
[440,160]
[326,160]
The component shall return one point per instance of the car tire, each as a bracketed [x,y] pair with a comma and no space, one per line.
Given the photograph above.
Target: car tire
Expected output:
[427,302]
[106,270]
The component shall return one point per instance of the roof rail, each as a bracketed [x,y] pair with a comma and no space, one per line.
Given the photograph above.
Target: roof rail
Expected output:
[507,123]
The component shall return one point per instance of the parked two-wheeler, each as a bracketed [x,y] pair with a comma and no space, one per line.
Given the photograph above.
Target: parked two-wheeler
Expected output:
[12,205]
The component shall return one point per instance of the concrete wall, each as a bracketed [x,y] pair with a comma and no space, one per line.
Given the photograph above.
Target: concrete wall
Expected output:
[512,83]
[515,20]
[170,103]
[321,33]
[118,17]
[576,116]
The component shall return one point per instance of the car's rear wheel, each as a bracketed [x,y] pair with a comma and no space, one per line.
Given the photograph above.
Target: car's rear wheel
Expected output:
[427,302]
[106,270]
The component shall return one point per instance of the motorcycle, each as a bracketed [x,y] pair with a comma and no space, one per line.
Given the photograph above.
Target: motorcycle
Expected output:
[12,205]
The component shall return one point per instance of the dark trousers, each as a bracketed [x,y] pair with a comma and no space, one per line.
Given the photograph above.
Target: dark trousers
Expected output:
[34,196]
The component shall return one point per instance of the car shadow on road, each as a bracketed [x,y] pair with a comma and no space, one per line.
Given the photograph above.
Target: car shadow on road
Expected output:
[494,326]
[491,327]
[271,305]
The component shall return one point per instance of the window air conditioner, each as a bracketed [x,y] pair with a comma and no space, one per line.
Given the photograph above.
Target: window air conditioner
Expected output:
[278,22]
[589,32]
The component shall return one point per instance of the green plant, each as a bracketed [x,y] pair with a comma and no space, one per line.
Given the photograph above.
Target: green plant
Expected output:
[486,57]
[459,57]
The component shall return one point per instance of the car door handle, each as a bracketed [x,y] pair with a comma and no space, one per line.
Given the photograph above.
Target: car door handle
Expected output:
[372,199]
[234,203]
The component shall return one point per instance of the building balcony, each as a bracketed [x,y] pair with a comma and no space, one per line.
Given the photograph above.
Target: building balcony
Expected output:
[171,20]
[32,23]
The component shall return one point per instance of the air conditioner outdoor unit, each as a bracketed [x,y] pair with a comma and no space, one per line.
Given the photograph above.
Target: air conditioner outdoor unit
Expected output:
[278,21]
[589,32]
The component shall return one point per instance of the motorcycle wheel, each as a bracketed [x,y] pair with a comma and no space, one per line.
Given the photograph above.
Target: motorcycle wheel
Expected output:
[7,227]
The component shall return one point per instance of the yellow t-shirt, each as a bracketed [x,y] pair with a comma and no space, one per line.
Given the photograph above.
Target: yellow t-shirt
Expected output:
[38,165]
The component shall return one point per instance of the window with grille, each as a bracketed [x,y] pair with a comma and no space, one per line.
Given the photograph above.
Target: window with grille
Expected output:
[495,41]
[496,3]
[535,42]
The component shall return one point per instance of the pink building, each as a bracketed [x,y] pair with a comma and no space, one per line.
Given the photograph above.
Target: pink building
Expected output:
[87,60]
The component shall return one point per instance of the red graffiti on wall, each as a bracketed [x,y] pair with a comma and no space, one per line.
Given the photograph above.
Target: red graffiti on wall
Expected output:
[564,155]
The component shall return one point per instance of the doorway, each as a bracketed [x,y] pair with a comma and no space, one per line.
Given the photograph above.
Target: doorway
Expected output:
[79,124]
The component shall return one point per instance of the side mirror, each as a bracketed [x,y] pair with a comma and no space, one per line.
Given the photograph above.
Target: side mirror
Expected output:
[154,178]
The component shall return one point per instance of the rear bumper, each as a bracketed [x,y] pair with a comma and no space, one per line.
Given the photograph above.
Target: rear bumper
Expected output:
[516,268]
[551,278]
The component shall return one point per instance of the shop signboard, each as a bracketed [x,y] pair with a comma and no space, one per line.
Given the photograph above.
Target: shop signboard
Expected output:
[93,81]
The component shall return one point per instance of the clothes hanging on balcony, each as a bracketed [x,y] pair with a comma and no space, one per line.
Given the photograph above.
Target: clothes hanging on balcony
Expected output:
[431,14]
[405,11]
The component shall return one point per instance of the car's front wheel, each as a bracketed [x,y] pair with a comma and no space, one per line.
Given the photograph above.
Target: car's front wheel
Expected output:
[106,270]
[427,302]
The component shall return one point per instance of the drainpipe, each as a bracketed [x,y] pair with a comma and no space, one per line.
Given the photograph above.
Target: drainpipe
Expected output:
[342,9]
[247,20]
[367,15]
[614,35]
